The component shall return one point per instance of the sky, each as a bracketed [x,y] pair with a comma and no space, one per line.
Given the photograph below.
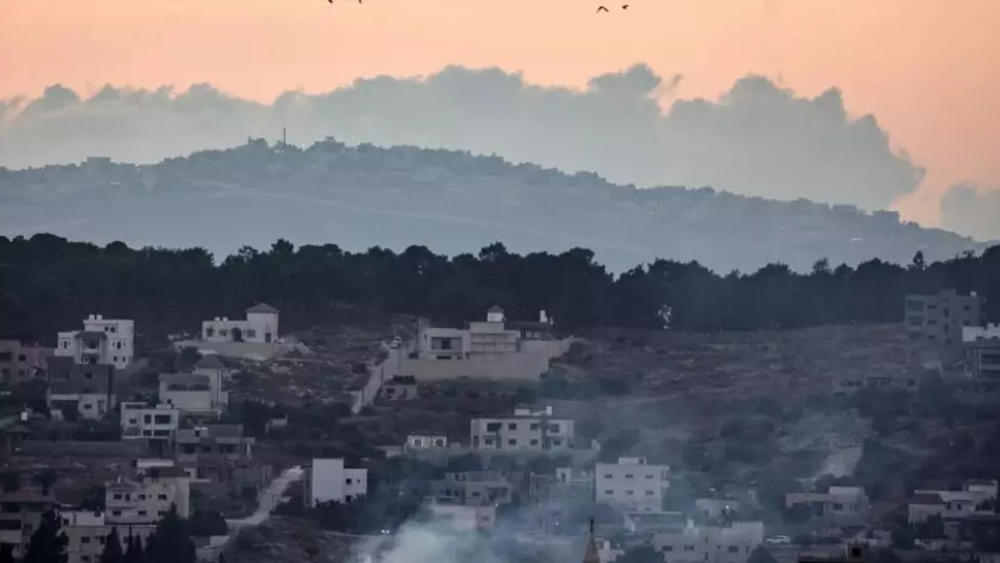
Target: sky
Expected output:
[925,69]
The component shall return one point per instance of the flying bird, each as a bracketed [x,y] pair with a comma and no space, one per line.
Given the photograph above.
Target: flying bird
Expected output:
[625,7]
[599,8]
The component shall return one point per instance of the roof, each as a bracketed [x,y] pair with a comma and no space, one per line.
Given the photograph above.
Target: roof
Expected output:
[262,308]
[495,309]
[210,361]
[926,498]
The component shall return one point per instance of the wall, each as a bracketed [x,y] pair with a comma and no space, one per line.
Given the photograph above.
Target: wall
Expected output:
[441,456]
[614,482]
[326,481]
[120,341]
[521,433]
[264,325]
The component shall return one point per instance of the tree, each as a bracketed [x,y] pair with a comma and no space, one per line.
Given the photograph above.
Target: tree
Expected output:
[172,540]
[45,479]
[48,543]
[760,554]
[10,481]
[113,548]
[133,549]
[7,553]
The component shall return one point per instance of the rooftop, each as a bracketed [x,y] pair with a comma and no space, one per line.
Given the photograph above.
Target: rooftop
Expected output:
[262,308]
[210,361]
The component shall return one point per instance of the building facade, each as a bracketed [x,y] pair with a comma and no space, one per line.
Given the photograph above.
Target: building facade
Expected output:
[260,326]
[698,544]
[939,319]
[19,362]
[474,488]
[87,532]
[146,500]
[219,453]
[982,351]
[144,422]
[193,393]
[844,506]
[329,481]
[631,484]
[102,341]
[20,513]
[524,430]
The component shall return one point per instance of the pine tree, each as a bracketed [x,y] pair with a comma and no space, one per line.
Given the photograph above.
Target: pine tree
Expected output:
[172,540]
[113,548]
[133,549]
[48,543]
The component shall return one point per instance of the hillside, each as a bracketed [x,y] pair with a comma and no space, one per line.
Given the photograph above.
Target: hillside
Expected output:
[451,201]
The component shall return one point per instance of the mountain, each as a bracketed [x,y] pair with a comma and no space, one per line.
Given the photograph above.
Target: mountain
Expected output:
[363,196]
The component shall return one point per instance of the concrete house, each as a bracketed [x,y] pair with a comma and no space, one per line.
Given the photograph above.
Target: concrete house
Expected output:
[474,488]
[86,389]
[86,533]
[260,326]
[715,544]
[971,500]
[327,480]
[145,422]
[982,351]
[193,393]
[631,485]
[102,341]
[219,453]
[938,319]
[20,513]
[462,518]
[19,362]
[524,430]
[146,500]
[842,506]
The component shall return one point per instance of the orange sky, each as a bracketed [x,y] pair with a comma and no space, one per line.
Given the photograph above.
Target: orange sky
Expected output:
[927,69]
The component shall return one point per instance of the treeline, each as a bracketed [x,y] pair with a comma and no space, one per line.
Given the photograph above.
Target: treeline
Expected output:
[48,284]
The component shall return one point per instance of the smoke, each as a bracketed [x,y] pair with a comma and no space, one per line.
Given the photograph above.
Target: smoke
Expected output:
[972,211]
[756,139]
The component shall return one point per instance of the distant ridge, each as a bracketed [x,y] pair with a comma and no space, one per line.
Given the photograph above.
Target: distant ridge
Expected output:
[452,201]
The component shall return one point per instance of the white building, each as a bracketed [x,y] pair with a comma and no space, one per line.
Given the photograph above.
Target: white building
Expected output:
[631,484]
[972,334]
[142,422]
[260,326]
[330,481]
[86,533]
[148,499]
[481,340]
[193,393]
[426,441]
[524,430]
[102,341]
[698,544]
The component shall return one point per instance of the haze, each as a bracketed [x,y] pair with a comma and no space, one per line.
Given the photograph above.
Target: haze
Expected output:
[922,69]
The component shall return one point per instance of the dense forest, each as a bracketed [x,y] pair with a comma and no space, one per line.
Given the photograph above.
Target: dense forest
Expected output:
[48,284]
[451,201]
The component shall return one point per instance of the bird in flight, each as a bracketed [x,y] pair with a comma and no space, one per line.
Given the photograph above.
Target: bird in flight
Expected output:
[625,6]
[599,8]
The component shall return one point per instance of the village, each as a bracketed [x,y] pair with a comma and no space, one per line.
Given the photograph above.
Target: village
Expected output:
[494,427]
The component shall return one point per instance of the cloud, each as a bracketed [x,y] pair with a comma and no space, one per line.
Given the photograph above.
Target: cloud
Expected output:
[756,139]
[972,211]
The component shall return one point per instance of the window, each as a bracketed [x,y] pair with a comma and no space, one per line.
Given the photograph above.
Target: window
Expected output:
[649,493]
[650,476]
[22,358]
[512,442]
[209,332]
[117,496]
[733,549]
[161,496]
[554,428]
[668,548]
[147,418]
[608,492]
[142,513]
[629,493]
[534,426]
[88,407]
[629,476]
[493,426]
[163,419]
[688,548]
[251,333]
[116,512]
[607,476]
[512,426]
[348,481]
[85,558]
[487,441]
[838,506]
[534,441]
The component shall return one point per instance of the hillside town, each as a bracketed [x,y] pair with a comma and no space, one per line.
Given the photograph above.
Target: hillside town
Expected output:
[476,429]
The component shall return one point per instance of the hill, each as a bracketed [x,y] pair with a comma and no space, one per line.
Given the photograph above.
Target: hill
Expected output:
[451,201]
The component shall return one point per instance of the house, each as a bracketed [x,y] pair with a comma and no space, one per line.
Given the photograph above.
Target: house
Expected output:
[219,453]
[327,480]
[144,422]
[425,441]
[524,430]
[939,319]
[461,518]
[399,388]
[193,393]
[975,498]
[87,531]
[260,326]
[479,340]
[20,513]
[542,329]
[631,485]
[474,488]
[715,544]
[20,361]
[841,506]
[102,341]
[146,500]
[88,400]
[982,351]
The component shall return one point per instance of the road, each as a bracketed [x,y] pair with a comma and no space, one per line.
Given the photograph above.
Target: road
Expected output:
[267,500]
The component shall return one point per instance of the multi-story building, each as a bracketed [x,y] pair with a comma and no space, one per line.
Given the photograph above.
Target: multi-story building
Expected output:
[480,340]
[714,544]
[474,488]
[938,319]
[260,326]
[20,513]
[975,498]
[219,453]
[144,422]
[631,484]
[327,480]
[982,350]
[146,500]
[89,400]
[20,361]
[193,393]
[87,532]
[102,341]
[461,518]
[524,430]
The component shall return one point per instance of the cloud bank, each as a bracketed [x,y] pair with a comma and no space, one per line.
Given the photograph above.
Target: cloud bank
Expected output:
[972,211]
[756,139]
